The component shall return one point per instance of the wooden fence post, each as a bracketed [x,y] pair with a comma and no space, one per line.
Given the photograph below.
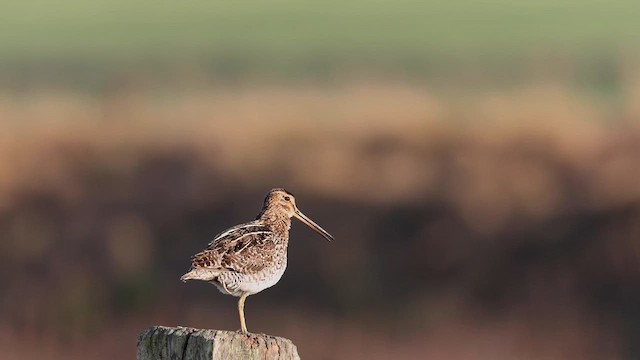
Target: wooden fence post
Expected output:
[180,343]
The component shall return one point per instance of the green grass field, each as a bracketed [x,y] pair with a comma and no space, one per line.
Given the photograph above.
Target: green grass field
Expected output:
[298,37]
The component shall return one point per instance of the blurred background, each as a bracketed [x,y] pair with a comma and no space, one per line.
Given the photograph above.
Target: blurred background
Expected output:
[477,162]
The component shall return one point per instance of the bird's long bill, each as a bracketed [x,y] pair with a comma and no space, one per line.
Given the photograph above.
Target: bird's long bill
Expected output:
[302,217]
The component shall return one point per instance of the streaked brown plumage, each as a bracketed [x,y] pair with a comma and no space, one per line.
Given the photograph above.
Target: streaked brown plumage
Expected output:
[248,258]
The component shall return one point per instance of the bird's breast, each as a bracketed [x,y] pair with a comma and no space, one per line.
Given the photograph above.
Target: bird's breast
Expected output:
[236,283]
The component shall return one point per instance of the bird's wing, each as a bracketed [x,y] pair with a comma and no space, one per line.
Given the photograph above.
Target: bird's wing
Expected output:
[243,248]
[236,232]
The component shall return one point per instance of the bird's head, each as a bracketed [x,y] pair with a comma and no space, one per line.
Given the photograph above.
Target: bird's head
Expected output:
[283,202]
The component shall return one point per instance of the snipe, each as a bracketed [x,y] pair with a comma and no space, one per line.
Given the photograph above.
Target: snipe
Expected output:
[248,258]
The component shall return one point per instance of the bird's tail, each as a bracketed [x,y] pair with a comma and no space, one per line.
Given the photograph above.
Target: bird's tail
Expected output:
[186,277]
[200,274]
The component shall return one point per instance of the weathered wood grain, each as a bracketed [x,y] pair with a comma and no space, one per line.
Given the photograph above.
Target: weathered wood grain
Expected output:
[180,343]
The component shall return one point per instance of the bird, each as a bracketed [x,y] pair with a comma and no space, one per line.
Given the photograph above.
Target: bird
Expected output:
[245,259]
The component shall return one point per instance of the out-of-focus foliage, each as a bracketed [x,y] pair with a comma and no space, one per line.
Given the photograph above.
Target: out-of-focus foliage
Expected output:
[494,42]
[511,220]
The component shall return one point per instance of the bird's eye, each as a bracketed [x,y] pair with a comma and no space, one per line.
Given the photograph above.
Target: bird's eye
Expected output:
[286,198]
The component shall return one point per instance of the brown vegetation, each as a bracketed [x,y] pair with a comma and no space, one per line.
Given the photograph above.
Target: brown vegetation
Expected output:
[493,226]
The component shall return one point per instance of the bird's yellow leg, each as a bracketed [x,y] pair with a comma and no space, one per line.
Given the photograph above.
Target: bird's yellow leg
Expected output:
[243,324]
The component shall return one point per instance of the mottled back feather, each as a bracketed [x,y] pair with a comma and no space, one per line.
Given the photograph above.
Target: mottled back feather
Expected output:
[245,248]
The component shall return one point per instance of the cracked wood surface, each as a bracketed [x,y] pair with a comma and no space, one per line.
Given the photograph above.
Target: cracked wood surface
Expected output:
[181,343]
